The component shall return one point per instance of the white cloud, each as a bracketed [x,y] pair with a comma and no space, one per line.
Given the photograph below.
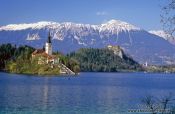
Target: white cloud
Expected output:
[101,13]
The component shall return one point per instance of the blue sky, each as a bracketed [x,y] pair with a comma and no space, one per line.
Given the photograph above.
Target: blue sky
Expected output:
[142,13]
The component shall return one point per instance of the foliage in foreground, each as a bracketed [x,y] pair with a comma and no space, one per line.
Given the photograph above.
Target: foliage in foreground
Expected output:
[159,105]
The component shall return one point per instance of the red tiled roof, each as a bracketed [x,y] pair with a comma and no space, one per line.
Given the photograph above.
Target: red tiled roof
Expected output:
[48,56]
[41,52]
[38,51]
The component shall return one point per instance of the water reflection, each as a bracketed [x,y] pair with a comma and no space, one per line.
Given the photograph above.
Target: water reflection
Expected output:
[88,93]
[45,94]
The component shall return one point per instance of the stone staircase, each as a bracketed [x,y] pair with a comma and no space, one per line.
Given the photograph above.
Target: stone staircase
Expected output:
[65,70]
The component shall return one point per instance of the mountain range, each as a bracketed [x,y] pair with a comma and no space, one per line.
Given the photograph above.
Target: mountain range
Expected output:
[143,46]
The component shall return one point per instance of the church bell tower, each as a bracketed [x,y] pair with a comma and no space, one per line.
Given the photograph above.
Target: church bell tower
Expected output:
[48,46]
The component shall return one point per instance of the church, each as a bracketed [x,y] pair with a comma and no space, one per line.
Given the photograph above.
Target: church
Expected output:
[45,55]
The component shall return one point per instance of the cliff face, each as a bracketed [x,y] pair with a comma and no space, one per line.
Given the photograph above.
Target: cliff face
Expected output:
[117,50]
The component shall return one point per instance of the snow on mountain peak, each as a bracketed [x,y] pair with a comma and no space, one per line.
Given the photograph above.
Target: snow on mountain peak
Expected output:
[113,21]
[23,26]
[112,25]
[117,25]
[161,33]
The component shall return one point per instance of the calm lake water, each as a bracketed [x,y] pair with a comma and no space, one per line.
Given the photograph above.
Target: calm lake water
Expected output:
[89,93]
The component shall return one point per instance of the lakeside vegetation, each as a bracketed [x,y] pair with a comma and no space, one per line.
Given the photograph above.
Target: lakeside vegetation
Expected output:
[160,68]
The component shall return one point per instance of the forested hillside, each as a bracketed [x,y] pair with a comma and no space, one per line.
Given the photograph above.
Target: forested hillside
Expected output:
[103,60]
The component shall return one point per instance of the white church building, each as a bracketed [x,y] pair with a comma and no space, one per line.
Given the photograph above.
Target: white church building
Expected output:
[45,56]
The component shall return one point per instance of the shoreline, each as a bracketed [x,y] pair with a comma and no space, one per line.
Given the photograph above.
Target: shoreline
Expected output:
[76,75]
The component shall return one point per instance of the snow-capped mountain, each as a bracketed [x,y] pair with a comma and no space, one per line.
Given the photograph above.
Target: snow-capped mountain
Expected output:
[140,44]
[15,27]
[164,35]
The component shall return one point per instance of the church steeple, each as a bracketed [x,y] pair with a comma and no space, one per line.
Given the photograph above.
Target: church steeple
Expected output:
[49,38]
[48,46]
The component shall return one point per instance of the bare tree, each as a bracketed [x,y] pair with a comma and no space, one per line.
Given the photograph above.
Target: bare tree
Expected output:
[165,101]
[168,17]
[150,103]
[162,105]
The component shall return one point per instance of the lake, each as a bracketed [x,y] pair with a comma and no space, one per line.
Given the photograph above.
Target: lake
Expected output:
[89,93]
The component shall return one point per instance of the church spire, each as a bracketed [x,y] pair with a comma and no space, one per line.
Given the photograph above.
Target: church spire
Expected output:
[48,46]
[49,38]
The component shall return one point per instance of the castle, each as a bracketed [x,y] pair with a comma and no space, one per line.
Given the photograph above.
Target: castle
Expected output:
[45,55]
[117,50]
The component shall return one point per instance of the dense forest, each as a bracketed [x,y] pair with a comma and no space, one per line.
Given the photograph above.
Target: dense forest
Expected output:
[103,60]
[10,52]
